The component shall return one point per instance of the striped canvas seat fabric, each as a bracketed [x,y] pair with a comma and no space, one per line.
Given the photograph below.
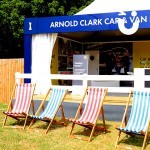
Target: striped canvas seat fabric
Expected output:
[140,113]
[56,97]
[91,112]
[54,104]
[20,102]
[23,98]
[139,119]
[92,107]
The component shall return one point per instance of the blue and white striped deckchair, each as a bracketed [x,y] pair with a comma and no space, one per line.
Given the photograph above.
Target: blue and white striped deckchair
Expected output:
[139,118]
[57,96]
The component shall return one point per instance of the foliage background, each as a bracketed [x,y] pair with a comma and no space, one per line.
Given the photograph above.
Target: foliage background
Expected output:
[13,12]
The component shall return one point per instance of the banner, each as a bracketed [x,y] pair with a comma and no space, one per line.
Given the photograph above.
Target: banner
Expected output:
[126,22]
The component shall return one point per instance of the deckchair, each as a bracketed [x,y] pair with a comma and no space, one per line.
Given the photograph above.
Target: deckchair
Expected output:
[139,117]
[20,103]
[57,96]
[91,112]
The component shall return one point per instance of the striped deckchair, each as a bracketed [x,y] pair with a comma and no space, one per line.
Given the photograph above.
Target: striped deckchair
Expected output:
[91,112]
[20,102]
[57,96]
[139,118]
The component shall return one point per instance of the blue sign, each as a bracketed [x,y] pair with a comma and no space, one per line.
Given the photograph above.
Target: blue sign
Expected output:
[123,21]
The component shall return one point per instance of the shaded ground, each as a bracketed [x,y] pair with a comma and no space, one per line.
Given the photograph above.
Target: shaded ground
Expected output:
[112,112]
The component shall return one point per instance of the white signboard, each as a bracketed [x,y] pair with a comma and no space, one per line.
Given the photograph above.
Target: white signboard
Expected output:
[80,66]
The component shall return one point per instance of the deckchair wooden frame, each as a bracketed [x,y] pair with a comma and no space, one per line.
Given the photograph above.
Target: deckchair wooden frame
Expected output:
[18,116]
[88,124]
[145,134]
[50,120]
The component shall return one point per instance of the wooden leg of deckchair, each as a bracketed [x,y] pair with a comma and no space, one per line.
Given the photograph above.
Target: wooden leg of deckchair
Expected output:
[92,132]
[119,133]
[32,122]
[25,122]
[73,124]
[5,120]
[103,118]
[49,125]
[63,115]
[145,138]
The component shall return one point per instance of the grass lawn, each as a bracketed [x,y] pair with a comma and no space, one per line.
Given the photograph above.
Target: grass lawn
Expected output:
[58,137]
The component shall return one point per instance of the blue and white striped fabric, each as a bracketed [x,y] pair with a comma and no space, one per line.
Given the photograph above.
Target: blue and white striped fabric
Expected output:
[140,113]
[54,102]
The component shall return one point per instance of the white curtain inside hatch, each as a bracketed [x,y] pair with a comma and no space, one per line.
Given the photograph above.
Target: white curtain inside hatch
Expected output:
[42,48]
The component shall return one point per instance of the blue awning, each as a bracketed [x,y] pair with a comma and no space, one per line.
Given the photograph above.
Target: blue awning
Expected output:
[84,23]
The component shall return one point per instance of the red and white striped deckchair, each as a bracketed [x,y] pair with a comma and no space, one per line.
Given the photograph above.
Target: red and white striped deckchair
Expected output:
[20,102]
[92,110]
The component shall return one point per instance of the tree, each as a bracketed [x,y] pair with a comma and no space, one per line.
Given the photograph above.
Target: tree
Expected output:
[11,28]
[57,7]
[13,12]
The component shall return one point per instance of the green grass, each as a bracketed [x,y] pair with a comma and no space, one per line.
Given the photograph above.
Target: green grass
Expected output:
[58,137]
